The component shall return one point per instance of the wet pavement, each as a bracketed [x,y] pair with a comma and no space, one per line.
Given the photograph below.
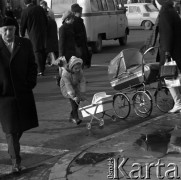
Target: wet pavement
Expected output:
[128,154]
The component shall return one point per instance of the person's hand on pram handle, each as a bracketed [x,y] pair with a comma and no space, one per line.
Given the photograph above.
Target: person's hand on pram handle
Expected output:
[79,98]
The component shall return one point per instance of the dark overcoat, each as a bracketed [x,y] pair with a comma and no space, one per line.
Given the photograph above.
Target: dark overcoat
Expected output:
[67,41]
[18,74]
[52,36]
[34,20]
[170,34]
[81,39]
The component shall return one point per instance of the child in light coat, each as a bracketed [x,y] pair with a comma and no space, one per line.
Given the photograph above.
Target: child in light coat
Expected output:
[73,86]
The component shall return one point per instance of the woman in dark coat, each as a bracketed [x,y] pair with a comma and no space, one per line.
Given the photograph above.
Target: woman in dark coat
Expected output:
[67,37]
[167,32]
[81,35]
[18,73]
[169,26]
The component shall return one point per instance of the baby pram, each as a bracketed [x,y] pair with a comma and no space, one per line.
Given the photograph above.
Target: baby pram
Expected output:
[129,73]
[100,104]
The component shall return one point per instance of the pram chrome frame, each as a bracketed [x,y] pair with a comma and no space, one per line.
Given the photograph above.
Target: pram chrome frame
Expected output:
[142,98]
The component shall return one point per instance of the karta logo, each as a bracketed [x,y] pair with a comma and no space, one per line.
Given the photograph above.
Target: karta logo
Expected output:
[119,168]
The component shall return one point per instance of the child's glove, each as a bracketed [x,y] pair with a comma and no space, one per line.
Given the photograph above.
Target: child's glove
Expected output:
[76,99]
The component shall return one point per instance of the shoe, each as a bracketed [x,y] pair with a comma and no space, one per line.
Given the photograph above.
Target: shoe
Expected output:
[73,120]
[16,168]
[78,121]
[175,109]
[40,74]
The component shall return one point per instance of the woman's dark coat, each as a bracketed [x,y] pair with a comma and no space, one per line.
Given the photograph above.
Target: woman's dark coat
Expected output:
[81,39]
[34,20]
[67,41]
[170,34]
[18,73]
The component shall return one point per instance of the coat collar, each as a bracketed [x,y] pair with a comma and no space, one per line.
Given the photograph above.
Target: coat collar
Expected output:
[17,45]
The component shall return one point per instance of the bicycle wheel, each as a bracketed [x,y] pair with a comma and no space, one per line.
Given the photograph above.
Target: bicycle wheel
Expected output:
[142,103]
[163,99]
[121,105]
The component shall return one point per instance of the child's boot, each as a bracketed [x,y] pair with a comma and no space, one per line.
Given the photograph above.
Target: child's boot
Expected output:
[78,121]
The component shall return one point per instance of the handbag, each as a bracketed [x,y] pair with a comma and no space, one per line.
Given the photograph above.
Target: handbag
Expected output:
[169,69]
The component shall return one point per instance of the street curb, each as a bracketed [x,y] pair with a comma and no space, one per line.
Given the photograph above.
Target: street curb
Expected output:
[58,171]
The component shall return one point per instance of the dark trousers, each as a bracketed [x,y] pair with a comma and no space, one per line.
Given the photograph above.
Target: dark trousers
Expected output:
[40,57]
[74,112]
[14,146]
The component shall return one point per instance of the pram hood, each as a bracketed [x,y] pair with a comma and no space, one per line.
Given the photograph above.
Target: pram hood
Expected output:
[126,59]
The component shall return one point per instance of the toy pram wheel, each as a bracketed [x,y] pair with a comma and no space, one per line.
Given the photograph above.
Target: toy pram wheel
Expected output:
[114,118]
[163,99]
[142,103]
[101,122]
[121,105]
[88,125]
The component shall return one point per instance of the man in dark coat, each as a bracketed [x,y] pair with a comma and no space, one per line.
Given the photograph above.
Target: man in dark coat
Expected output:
[34,20]
[18,74]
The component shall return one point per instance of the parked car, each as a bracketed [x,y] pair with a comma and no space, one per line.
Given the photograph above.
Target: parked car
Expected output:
[103,20]
[141,15]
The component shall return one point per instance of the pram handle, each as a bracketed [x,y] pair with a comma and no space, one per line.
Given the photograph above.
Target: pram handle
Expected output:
[148,50]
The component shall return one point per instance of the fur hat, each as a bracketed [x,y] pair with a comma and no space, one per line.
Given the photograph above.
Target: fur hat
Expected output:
[73,61]
[7,21]
[163,2]
[76,8]
[67,15]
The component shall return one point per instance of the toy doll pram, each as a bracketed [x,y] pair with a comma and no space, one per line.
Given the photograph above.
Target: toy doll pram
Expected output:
[129,73]
[100,104]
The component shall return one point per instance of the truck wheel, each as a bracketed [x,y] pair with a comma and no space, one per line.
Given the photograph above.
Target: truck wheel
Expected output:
[147,25]
[97,46]
[123,40]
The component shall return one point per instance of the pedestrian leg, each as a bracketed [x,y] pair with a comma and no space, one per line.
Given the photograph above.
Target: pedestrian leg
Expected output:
[175,93]
[14,150]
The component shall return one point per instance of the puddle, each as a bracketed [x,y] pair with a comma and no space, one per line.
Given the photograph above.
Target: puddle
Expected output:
[154,142]
[93,158]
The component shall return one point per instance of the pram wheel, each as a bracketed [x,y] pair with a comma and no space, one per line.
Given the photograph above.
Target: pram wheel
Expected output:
[114,118]
[163,99]
[142,103]
[101,123]
[121,105]
[88,125]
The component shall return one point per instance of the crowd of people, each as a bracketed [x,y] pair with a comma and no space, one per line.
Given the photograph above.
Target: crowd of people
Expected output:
[22,59]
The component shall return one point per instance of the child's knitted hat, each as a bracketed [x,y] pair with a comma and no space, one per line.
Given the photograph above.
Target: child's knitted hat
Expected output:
[73,61]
